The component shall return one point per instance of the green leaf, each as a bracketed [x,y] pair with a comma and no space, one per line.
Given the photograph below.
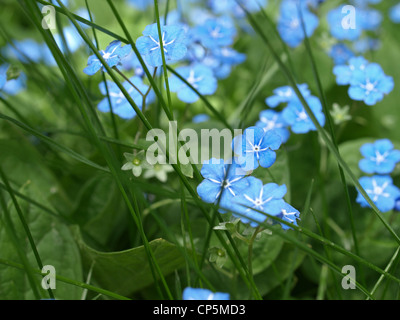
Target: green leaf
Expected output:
[53,239]
[128,271]
[286,263]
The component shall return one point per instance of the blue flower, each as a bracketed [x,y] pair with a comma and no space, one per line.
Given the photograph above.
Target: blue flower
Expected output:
[265,198]
[297,118]
[380,157]
[221,180]
[340,54]
[335,19]
[113,55]
[173,40]
[370,85]
[290,25]
[344,73]
[394,13]
[381,191]
[370,19]
[203,294]
[120,105]
[72,38]
[131,62]
[286,94]
[227,55]
[273,121]
[288,214]
[256,147]
[3,75]
[366,44]
[141,4]
[26,51]
[200,118]
[215,33]
[397,205]
[231,6]
[199,76]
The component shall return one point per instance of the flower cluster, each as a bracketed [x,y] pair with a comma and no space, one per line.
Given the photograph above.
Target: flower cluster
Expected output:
[367,81]
[380,158]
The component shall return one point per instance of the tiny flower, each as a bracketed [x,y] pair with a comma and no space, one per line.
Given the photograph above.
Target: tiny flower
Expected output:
[203,294]
[215,33]
[297,118]
[199,76]
[265,198]
[3,75]
[286,94]
[370,19]
[370,85]
[136,163]
[112,55]
[335,19]
[218,255]
[119,104]
[290,22]
[159,170]
[273,121]
[394,13]
[221,180]
[380,157]
[200,118]
[256,147]
[288,214]
[397,205]
[366,44]
[141,4]
[339,114]
[381,191]
[340,53]
[344,73]
[173,41]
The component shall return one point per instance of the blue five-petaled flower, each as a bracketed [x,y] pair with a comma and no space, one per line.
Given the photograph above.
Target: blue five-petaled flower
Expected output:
[203,294]
[257,199]
[256,147]
[380,157]
[172,39]
[381,191]
[199,77]
[222,181]
[112,55]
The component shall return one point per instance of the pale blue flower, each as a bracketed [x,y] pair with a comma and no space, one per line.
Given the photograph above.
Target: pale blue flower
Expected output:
[381,191]
[203,294]
[173,41]
[112,55]
[380,157]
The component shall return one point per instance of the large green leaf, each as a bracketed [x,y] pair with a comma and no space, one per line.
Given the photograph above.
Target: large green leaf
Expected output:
[128,271]
[265,250]
[54,241]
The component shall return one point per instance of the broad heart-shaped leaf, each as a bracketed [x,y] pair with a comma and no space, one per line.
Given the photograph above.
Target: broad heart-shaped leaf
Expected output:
[54,241]
[265,250]
[285,264]
[350,152]
[128,271]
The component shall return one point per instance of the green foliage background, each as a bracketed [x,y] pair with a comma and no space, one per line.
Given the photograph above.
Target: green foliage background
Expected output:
[82,225]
